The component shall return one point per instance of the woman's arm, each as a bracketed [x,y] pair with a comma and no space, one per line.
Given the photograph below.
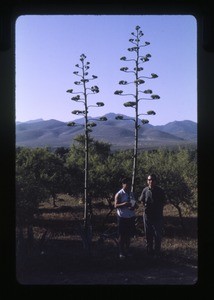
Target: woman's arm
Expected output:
[117,202]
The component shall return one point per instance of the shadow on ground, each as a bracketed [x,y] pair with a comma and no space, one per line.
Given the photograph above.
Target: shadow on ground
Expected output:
[65,262]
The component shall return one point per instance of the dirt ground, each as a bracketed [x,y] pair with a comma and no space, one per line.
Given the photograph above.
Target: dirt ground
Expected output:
[57,265]
[58,257]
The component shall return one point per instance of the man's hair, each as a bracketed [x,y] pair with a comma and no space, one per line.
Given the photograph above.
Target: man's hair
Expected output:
[153,176]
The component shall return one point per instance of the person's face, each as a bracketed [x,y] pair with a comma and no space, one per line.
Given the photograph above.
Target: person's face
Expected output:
[150,181]
[126,186]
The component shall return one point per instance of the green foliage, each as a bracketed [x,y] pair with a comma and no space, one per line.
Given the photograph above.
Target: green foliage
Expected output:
[98,155]
[39,174]
[62,152]
[177,174]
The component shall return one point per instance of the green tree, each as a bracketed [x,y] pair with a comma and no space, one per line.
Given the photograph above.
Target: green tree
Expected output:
[62,152]
[98,155]
[117,166]
[177,174]
[29,193]
[29,188]
[39,175]
[43,169]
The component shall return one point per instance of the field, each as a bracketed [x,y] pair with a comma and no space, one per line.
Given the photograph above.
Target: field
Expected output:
[56,255]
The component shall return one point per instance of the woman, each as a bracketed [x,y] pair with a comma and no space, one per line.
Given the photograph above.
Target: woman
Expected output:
[124,203]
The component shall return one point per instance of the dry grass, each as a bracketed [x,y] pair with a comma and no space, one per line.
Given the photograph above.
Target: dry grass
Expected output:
[57,248]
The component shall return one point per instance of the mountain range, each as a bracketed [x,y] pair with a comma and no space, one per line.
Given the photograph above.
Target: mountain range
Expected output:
[119,133]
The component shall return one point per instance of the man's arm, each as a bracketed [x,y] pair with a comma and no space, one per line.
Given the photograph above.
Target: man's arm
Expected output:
[142,196]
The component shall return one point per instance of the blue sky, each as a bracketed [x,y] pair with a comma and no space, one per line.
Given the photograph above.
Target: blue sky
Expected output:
[49,47]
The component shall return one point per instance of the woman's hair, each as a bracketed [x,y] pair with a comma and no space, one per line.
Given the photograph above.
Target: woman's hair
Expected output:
[125,180]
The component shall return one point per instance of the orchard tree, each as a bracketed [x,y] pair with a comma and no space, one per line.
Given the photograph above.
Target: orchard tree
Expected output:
[82,97]
[39,175]
[176,171]
[98,157]
[137,60]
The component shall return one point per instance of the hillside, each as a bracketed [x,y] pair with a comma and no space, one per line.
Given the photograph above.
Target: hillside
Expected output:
[54,133]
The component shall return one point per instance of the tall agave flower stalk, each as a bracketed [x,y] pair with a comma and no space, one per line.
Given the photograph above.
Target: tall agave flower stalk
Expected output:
[82,97]
[137,60]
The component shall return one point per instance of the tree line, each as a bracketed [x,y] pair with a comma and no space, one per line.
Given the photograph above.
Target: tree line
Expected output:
[42,173]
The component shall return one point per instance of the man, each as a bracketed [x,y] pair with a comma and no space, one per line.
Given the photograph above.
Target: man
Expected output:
[153,198]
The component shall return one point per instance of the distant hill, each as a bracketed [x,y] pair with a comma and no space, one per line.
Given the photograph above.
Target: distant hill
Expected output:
[119,133]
